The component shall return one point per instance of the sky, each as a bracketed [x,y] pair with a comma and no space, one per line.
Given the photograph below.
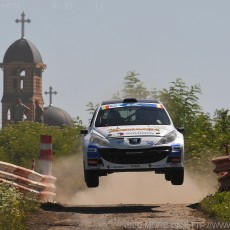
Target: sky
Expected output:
[90,45]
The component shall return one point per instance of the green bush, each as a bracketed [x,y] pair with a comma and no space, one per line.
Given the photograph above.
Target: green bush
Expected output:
[217,206]
[14,208]
[20,142]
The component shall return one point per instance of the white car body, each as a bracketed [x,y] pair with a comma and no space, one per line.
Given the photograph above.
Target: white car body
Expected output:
[130,144]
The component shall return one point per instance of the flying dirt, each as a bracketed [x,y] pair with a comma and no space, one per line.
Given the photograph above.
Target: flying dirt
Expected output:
[126,188]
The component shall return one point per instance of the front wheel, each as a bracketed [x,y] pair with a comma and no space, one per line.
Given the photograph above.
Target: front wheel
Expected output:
[91,178]
[168,176]
[177,176]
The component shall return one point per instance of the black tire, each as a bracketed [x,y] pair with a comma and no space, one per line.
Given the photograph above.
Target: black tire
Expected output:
[91,178]
[168,176]
[177,176]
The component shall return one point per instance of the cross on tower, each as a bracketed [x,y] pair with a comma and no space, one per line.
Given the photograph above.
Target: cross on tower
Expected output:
[50,93]
[23,20]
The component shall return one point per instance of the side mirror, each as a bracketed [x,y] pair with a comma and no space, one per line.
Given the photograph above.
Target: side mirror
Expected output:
[84,131]
[181,130]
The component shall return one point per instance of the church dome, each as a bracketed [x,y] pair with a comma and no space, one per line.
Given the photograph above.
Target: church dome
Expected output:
[24,51]
[55,116]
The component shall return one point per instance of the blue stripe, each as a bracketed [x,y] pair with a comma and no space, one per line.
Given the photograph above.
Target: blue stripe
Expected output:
[174,154]
[93,152]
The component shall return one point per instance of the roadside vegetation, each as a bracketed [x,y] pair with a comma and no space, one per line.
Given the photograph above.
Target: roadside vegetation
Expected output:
[205,138]
[15,207]
[20,144]
[217,206]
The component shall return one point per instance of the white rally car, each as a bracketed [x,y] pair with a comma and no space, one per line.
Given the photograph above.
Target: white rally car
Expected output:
[132,135]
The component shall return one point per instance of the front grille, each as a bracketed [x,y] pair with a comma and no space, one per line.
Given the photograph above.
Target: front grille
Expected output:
[135,156]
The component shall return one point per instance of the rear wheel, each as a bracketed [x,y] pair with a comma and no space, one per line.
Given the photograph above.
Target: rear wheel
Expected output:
[177,176]
[91,178]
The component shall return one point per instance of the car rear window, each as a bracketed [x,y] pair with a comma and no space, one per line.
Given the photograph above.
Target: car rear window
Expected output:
[132,114]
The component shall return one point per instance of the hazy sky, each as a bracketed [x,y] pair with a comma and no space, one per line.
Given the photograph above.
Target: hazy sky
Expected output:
[90,45]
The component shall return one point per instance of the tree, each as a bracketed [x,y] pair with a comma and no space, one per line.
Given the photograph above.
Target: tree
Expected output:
[222,128]
[182,103]
[200,140]
[132,87]
[91,108]
[20,142]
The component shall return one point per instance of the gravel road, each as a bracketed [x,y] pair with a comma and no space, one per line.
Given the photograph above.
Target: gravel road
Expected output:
[125,216]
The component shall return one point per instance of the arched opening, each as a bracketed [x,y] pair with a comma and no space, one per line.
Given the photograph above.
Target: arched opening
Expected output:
[8,115]
[23,73]
[21,84]
[22,76]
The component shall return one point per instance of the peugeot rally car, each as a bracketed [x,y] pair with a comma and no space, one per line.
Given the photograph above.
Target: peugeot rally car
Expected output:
[132,135]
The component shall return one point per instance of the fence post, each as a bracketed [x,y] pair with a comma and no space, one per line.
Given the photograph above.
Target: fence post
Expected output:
[226,150]
[33,165]
[45,158]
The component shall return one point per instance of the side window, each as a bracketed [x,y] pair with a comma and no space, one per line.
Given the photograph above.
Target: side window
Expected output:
[164,117]
[91,122]
[102,118]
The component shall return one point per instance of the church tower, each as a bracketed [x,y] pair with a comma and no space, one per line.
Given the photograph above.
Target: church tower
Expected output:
[22,76]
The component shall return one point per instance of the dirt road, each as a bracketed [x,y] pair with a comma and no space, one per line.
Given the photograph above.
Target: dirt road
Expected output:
[133,216]
[122,201]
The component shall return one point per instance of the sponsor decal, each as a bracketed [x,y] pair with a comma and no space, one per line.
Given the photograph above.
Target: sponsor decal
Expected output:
[120,142]
[104,107]
[117,167]
[160,106]
[154,105]
[140,133]
[132,129]
[149,142]
[116,134]
[135,166]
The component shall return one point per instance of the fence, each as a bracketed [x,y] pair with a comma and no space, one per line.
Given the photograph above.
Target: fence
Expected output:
[29,181]
[222,170]
[26,180]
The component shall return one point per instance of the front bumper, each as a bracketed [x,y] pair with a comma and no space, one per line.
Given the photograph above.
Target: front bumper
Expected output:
[158,159]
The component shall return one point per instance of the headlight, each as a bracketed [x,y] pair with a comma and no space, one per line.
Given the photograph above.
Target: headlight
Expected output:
[95,139]
[168,138]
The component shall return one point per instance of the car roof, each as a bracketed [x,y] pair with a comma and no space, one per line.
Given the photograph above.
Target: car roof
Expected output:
[130,100]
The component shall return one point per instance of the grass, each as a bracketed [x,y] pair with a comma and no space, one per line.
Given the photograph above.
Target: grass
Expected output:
[217,206]
[15,207]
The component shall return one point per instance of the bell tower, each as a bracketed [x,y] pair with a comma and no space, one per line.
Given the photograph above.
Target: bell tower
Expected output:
[22,76]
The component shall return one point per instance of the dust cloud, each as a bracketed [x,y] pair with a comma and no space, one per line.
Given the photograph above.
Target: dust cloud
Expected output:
[125,188]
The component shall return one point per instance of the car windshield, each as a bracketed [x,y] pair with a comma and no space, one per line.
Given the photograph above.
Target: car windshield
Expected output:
[115,115]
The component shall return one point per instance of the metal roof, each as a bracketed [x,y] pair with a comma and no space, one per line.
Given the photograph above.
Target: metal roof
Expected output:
[54,116]
[22,50]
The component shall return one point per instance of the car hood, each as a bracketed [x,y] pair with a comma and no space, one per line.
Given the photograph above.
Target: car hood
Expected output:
[120,136]
[133,131]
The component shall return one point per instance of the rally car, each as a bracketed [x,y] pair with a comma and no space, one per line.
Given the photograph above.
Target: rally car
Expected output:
[132,135]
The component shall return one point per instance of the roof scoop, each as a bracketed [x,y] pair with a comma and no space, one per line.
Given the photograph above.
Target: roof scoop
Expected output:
[126,100]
